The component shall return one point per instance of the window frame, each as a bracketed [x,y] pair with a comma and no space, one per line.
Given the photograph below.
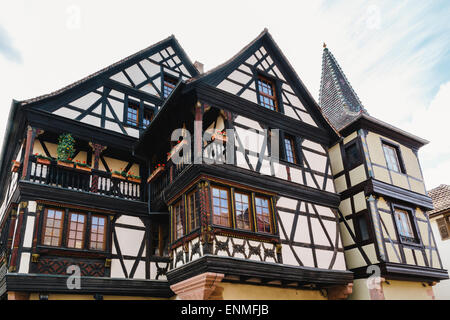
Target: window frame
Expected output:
[416,241]
[172,81]
[230,208]
[61,229]
[294,149]
[250,209]
[69,222]
[196,210]
[357,225]
[269,207]
[104,232]
[355,142]
[130,104]
[274,87]
[144,114]
[398,154]
[178,203]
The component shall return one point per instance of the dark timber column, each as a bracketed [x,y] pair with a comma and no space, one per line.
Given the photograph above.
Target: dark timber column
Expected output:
[32,133]
[98,149]
[198,133]
[17,238]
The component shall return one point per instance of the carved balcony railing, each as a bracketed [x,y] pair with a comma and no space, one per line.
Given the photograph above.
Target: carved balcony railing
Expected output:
[93,181]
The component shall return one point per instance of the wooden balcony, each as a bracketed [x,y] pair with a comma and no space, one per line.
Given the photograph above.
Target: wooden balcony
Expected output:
[90,181]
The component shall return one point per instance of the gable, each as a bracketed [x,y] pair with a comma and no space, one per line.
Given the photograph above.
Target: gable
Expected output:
[102,100]
[241,79]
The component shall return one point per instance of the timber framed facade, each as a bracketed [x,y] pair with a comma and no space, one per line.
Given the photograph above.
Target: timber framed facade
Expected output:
[257,187]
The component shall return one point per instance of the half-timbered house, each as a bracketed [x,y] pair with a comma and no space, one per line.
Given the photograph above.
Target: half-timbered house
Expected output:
[152,179]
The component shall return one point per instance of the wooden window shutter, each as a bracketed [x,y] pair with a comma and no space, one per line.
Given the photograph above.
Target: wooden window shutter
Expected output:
[443,228]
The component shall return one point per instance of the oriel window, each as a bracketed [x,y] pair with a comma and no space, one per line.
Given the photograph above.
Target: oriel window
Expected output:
[267,95]
[53,225]
[262,214]
[221,212]
[77,226]
[242,211]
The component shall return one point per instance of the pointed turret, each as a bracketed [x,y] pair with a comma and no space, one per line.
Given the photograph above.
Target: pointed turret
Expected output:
[338,100]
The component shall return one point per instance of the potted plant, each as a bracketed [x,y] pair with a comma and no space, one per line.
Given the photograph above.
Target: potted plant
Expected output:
[83,166]
[220,135]
[15,166]
[122,175]
[66,150]
[41,159]
[159,168]
[176,149]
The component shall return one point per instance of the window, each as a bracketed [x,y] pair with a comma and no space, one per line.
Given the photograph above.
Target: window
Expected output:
[53,225]
[77,226]
[353,155]
[289,146]
[133,114]
[148,117]
[403,219]
[242,211]
[179,223]
[267,96]
[221,212]
[169,85]
[262,213]
[444,227]
[97,241]
[392,157]
[194,222]
[362,228]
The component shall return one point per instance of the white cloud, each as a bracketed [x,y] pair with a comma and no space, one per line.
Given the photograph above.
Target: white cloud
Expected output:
[432,124]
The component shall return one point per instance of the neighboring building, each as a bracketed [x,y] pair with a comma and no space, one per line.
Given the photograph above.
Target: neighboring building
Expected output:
[96,178]
[440,223]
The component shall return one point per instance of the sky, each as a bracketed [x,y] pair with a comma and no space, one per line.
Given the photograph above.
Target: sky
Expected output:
[396,54]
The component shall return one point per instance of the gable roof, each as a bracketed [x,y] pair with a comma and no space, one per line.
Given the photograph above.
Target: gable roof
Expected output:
[217,74]
[109,70]
[338,100]
[441,199]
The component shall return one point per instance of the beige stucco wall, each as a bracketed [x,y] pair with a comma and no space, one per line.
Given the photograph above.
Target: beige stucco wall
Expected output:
[412,180]
[234,291]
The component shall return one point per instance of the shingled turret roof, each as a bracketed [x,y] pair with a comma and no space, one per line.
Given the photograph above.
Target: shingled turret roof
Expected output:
[338,100]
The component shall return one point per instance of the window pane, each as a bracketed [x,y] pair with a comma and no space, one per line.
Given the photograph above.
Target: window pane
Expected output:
[242,211]
[262,214]
[53,227]
[391,158]
[97,233]
[221,210]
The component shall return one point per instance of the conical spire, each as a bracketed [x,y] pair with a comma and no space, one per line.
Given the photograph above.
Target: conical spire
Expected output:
[338,100]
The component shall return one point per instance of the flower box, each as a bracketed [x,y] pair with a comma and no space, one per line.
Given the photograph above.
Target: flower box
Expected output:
[176,149]
[135,180]
[219,136]
[15,166]
[118,176]
[65,164]
[83,168]
[155,174]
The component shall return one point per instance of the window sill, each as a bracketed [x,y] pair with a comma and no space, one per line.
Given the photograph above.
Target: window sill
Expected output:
[84,253]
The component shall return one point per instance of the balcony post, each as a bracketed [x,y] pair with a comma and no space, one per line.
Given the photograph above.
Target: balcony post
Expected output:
[32,133]
[198,133]
[98,149]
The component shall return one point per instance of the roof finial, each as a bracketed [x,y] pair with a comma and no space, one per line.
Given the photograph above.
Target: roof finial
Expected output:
[324,45]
